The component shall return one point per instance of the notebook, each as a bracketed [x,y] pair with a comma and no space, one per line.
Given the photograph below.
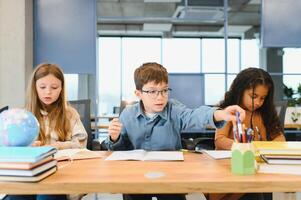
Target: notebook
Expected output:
[282,159]
[25,154]
[36,178]
[279,169]
[277,148]
[24,165]
[30,172]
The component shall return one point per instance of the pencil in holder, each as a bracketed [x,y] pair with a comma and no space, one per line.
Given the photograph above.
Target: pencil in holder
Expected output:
[243,159]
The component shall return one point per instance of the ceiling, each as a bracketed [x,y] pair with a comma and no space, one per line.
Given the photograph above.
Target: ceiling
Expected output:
[171,18]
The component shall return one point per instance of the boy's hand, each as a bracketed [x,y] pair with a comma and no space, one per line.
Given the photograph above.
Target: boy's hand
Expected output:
[114,129]
[228,114]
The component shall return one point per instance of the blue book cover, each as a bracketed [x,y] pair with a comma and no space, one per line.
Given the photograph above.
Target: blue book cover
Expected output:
[25,154]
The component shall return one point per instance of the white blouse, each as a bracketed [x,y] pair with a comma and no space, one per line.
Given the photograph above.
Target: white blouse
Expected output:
[78,136]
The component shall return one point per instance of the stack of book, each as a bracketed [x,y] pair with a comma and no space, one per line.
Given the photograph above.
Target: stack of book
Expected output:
[279,157]
[26,164]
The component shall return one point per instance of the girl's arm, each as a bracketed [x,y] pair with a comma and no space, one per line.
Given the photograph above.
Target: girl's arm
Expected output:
[280,138]
[223,137]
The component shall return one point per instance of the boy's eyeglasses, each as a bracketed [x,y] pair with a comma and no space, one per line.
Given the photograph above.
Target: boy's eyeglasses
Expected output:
[154,93]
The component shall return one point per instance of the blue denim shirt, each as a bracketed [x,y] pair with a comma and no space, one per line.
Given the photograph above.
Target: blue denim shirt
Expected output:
[163,132]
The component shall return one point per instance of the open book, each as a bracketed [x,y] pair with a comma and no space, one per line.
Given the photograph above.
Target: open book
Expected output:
[143,155]
[76,154]
[218,154]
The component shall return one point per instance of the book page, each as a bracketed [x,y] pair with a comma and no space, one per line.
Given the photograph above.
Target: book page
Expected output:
[218,154]
[127,155]
[76,154]
[164,156]
[142,155]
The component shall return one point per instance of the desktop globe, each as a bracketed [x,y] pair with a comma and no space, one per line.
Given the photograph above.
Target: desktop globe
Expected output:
[18,127]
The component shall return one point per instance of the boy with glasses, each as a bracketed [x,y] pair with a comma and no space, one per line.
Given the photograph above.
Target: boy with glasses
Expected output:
[155,122]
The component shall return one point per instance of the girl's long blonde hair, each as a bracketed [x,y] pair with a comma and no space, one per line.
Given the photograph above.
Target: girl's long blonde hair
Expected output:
[57,111]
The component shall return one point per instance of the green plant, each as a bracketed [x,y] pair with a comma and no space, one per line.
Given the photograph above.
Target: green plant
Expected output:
[288,92]
[295,116]
[293,97]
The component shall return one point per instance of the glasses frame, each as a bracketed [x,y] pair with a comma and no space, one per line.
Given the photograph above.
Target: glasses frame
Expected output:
[164,92]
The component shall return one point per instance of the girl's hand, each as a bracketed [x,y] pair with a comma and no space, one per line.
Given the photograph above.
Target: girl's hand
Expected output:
[36,143]
[114,129]
[57,145]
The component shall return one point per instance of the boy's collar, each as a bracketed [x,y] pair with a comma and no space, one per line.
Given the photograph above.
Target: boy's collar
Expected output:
[162,114]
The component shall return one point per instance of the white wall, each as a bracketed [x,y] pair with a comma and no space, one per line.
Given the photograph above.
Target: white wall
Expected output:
[16,50]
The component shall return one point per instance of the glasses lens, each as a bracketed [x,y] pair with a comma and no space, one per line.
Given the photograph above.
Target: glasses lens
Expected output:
[155,93]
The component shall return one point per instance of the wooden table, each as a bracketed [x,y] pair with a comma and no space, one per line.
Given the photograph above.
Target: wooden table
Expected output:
[198,173]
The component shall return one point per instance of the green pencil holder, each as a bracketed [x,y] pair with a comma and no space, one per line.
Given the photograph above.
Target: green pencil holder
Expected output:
[243,159]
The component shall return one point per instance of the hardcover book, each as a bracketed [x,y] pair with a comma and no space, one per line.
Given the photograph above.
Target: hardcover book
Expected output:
[28,172]
[277,148]
[282,159]
[36,178]
[25,154]
[24,165]
[279,169]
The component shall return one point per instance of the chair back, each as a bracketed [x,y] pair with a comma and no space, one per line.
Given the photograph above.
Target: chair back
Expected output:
[83,109]
[281,109]
[3,109]
[124,104]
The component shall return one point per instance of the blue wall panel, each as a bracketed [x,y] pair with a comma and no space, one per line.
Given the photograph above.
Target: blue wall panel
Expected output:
[187,88]
[65,33]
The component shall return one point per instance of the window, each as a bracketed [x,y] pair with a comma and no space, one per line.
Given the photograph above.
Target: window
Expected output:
[214,88]
[291,67]
[135,52]
[249,53]
[120,56]
[182,55]
[109,74]
[71,86]
[213,55]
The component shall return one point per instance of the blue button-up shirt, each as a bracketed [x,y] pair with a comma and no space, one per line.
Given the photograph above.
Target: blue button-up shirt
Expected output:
[162,132]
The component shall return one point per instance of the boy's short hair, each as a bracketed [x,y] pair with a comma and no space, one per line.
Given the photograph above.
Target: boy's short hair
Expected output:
[149,72]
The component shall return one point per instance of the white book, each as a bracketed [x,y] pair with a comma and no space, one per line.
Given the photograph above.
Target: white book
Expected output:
[218,154]
[279,169]
[282,159]
[36,178]
[143,155]
[76,154]
[29,172]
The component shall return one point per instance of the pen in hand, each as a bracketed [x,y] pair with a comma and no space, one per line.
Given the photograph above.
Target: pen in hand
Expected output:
[258,133]
[239,128]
